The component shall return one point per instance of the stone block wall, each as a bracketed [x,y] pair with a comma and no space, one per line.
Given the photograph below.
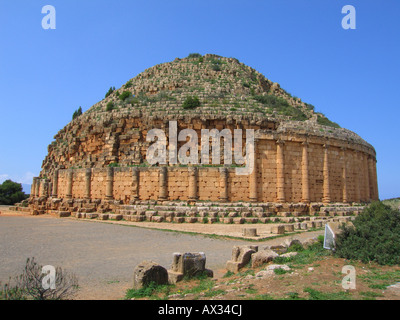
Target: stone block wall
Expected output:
[289,168]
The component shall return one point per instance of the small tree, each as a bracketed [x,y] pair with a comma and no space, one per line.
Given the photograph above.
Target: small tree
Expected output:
[77,113]
[110,91]
[11,193]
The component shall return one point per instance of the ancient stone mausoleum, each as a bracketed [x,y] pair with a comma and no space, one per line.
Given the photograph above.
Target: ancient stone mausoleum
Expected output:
[303,161]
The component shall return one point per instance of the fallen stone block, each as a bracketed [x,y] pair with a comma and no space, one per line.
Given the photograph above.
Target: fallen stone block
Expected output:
[291,242]
[262,257]
[147,272]
[279,249]
[188,265]
[241,256]
[289,254]
[278,266]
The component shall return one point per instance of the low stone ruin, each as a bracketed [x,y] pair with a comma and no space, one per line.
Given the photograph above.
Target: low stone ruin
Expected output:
[148,272]
[183,265]
[188,265]
[242,255]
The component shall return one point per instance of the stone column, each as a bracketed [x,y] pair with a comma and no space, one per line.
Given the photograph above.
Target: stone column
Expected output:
[192,171]
[37,187]
[376,196]
[356,177]
[110,184]
[42,188]
[33,187]
[371,179]
[88,181]
[50,188]
[54,191]
[253,178]
[163,184]
[366,178]
[46,189]
[326,187]
[70,174]
[305,185]
[223,184]
[135,183]
[344,176]
[280,172]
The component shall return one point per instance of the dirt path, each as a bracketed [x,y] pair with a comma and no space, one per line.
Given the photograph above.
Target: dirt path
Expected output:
[102,255]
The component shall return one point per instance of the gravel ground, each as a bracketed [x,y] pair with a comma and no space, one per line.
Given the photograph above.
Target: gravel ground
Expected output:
[101,255]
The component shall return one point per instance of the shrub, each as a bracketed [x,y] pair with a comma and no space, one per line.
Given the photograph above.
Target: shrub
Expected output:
[29,285]
[322,120]
[194,55]
[11,193]
[110,106]
[128,84]
[374,237]
[281,106]
[191,103]
[125,95]
[216,67]
[114,165]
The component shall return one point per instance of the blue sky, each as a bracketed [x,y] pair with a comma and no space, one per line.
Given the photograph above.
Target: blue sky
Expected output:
[352,76]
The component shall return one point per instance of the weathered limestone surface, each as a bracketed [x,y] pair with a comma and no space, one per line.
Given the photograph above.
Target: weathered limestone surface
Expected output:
[100,157]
